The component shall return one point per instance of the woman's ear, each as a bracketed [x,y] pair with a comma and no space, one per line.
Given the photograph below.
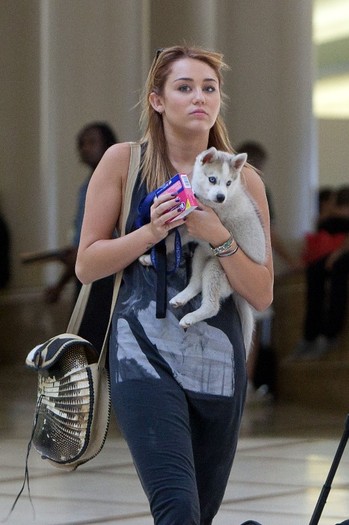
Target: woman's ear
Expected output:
[156,102]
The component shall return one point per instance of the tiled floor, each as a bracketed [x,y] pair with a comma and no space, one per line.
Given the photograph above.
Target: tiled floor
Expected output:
[283,459]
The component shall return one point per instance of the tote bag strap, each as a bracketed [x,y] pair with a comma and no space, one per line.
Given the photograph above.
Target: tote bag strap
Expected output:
[79,309]
[80,305]
[133,169]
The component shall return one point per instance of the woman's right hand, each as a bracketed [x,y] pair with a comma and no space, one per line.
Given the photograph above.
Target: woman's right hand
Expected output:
[163,215]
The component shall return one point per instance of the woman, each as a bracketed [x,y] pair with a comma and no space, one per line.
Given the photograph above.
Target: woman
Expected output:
[178,395]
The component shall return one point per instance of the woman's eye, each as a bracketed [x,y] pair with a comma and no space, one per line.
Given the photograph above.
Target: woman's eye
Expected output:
[185,88]
[212,180]
[210,89]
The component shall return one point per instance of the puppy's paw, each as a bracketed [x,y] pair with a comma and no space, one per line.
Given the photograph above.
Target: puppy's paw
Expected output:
[187,321]
[175,303]
[145,260]
[178,300]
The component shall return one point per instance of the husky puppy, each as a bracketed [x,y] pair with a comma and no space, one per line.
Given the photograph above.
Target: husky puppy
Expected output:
[216,182]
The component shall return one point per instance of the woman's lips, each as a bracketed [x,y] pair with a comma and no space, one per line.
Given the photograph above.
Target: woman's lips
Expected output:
[198,112]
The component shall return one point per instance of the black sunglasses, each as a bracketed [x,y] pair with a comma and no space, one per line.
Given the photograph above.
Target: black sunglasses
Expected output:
[158,52]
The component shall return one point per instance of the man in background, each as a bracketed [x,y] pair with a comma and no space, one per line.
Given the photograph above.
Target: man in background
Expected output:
[261,364]
[257,157]
[92,142]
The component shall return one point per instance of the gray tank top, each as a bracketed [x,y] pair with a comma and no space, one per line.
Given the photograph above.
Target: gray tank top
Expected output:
[202,359]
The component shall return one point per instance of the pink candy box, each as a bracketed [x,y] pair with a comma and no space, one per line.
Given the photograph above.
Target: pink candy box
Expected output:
[181,187]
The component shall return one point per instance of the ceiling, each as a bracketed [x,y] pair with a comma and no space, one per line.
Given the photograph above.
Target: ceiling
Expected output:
[331,39]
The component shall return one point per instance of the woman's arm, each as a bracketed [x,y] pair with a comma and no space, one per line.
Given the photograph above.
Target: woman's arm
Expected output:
[251,280]
[100,254]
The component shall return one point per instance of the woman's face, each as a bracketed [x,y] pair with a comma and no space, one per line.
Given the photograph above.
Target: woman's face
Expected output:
[191,97]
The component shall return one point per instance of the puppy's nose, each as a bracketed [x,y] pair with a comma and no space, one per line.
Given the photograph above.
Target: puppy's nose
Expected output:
[220,197]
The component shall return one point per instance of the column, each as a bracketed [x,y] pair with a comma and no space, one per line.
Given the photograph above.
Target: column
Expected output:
[268,44]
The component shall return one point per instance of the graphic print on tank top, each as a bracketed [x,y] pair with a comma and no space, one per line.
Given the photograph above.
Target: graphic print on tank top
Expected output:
[200,358]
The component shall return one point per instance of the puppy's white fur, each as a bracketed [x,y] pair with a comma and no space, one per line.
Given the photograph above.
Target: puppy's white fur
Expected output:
[217,183]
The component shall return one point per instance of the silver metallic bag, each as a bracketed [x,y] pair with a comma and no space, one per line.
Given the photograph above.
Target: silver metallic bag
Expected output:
[73,398]
[73,401]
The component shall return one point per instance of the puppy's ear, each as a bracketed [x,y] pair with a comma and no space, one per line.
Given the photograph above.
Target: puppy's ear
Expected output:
[238,161]
[209,156]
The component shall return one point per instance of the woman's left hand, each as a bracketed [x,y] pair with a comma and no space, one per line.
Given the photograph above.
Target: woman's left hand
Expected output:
[203,223]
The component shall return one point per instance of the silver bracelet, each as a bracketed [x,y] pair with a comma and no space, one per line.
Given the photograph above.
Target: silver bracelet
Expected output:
[228,252]
[223,247]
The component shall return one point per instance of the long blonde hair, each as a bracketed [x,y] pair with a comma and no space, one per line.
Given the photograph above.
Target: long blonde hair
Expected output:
[156,167]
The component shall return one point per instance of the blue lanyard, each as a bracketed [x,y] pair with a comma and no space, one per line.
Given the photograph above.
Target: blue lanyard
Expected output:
[158,256]
[144,218]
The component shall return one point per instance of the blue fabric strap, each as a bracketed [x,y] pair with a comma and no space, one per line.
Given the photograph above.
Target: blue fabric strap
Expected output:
[159,256]
[161,285]
[144,209]
[177,253]
[144,218]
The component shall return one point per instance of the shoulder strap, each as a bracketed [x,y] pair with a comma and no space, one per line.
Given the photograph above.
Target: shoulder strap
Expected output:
[135,156]
[79,309]
[133,169]
[80,306]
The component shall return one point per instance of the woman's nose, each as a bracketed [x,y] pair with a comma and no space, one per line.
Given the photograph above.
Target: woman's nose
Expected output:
[199,96]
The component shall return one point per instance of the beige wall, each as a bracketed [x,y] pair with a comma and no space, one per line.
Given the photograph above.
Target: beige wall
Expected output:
[65,63]
[333,152]
[19,81]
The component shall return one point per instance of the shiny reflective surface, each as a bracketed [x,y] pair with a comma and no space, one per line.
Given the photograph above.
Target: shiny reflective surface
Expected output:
[283,457]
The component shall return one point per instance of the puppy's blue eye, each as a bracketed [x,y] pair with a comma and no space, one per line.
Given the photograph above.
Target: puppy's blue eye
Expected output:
[212,180]
[229,182]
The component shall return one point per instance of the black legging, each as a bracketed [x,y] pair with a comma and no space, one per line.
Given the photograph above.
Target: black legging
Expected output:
[326,298]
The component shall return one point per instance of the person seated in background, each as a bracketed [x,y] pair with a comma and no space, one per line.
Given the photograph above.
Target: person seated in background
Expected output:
[327,268]
[92,142]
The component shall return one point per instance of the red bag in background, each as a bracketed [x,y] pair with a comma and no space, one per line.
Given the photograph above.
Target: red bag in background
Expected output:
[320,244]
